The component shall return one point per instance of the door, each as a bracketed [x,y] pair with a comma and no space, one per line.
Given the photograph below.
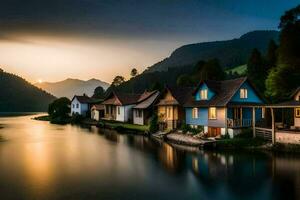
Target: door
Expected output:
[213,132]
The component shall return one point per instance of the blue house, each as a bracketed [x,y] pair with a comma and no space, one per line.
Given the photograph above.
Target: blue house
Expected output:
[222,107]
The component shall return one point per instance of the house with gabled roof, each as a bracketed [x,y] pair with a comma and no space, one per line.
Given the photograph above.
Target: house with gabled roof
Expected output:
[118,106]
[81,105]
[222,107]
[171,112]
[145,107]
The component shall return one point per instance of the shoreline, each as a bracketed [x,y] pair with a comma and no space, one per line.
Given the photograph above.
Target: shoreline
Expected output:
[188,141]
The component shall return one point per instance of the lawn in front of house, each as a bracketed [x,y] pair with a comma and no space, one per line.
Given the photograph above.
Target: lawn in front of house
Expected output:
[127,126]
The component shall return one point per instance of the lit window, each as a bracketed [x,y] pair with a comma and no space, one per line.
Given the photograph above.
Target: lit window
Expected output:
[195,113]
[243,93]
[203,94]
[263,113]
[212,113]
[119,110]
[169,112]
[297,112]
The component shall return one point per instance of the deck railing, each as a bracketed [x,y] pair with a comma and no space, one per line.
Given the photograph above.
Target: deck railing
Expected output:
[238,123]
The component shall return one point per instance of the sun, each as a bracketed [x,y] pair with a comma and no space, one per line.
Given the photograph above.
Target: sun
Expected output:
[40,80]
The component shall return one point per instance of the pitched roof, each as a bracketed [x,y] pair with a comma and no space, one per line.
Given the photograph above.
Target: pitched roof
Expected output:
[295,92]
[118,98]
[98,107]
[83,99]
[224,90]
[180,94]
[147,99]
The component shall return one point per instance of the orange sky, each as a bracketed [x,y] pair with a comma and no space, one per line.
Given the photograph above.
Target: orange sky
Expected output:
[53,58]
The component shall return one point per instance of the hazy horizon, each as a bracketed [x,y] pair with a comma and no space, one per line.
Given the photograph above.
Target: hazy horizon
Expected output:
[59,39]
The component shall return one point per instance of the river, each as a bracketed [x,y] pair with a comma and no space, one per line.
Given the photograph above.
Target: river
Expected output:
[39,160]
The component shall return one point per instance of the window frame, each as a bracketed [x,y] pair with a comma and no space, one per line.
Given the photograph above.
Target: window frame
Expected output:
[195,113]
[210,113]
[203,94]
[297,112]
[244,93]
[118,110]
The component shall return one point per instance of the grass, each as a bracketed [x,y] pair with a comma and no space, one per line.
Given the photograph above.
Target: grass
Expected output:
[119,126]
[241,143]
[239,69]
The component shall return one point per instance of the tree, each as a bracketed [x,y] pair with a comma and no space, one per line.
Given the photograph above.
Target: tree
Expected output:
[60,108]
[256,70]
[184,80]
[99,92]
[134,72]
[271,56]
[154,124]
[285,78]
[211,70]
[118,80]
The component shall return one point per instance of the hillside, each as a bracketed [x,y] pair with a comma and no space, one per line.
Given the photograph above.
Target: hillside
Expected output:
[70,87]
[18,95]
[230,53]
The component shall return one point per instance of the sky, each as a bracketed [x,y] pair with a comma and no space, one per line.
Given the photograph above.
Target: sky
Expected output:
[51,40]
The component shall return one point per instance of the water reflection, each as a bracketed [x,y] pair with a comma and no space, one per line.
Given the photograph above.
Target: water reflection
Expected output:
[44,161]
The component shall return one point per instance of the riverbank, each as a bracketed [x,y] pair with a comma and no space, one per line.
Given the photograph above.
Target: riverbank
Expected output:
[108,124]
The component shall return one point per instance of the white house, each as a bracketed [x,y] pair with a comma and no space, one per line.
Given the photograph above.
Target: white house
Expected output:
[118,106]
[97,112]
[143,111]
[80,105]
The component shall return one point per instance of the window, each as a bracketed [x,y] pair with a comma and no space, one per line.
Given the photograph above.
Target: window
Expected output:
[77,105]
[212,113]
[203,94]
[73,105]
[119,110]
[297,112]
[169,111]
[195,113]
[263,113]
[138,113]
[243,93]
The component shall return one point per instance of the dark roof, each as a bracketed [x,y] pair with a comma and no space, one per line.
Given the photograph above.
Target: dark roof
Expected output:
[147,99]
[295,92]
[291,103]
[181,94]
[224,91]
[119,98]
[83,99]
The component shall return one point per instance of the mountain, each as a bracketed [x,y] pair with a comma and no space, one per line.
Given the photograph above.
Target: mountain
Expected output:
[70,87]
[18,95]
[230,53]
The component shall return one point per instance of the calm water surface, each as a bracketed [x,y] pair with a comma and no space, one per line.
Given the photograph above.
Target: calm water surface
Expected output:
[43,161]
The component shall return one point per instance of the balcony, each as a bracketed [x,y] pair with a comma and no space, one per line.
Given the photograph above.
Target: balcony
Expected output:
[239,123]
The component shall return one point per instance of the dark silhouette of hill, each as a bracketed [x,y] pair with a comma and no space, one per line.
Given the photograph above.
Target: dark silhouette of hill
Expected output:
[18,95]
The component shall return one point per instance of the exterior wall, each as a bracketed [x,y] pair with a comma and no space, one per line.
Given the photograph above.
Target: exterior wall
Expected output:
[125,113]
[128,112]
[84,108]
[138,120]
[95,115]
[210,93]
[220,121]
[162,112]
[252,96]
[120,116]
[202,117]
[297,122]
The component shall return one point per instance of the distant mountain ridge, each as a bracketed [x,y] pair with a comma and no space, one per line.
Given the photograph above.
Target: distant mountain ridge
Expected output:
[230,53]
[70,87]
[18,95]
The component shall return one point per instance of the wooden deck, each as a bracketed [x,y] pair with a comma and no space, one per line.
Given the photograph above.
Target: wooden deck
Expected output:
[188,140]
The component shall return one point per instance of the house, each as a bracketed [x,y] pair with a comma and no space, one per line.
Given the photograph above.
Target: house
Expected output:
[80,105]
[171,112]
[143,111]
[222,107]
[118,106]
[97,112]
[283,123]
